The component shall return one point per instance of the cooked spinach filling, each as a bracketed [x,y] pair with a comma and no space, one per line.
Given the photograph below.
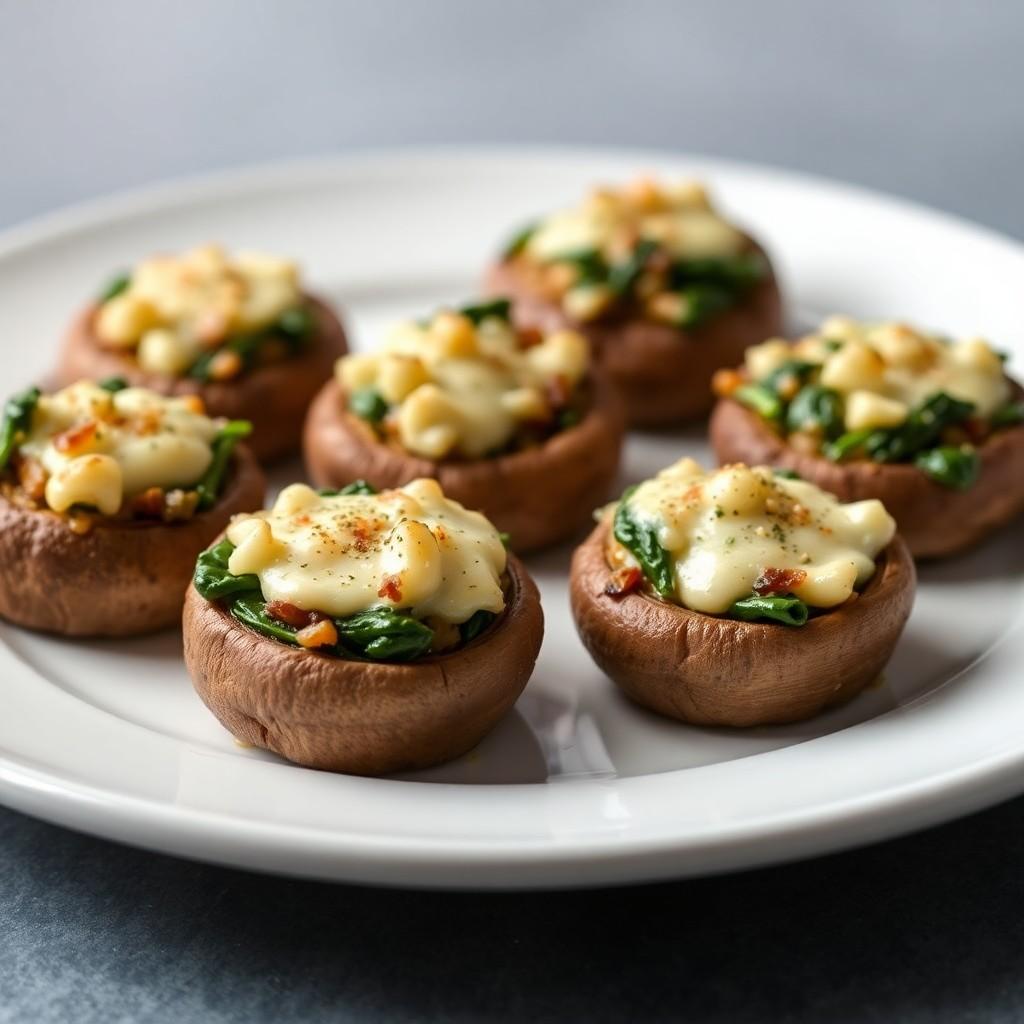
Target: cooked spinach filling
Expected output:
[293,329]
[641,541]
[791,400]
[704,287]
[377,634]
[16,423]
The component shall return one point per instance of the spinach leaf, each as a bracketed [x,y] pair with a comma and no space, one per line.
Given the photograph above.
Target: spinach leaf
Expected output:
[518,242]
[956,468]
[590,265]
[816,406]
[846,444]
[762,400]
[368,404]
[480,311]
[356,487]
[622,276]
[1008,415]
[642,542]
[791,373]
[384,634]
[223,445]
[703,301]
[212,577]
[920,430]
[787,474]
[113,384]
[296,324]
[789,611]
[17,420]
[736,272]
[252,611]
[475,625]
[114,287]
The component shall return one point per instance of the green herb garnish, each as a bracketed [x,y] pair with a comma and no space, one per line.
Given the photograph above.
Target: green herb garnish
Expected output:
[642,542]
[953,467]
[789,611]
[368,404]
[223,445]
[114,287]
[17,420]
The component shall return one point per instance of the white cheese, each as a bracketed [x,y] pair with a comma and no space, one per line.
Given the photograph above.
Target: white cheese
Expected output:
[726,528]
[99,448]
[175,306]
[462,390]
[410,548]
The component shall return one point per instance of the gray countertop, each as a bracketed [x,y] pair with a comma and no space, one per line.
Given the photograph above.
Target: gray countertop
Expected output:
[918,98]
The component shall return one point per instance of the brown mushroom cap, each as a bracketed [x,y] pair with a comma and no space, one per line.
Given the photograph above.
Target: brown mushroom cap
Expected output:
[716,671]
[362,717]
[273,398]
[120,578]
[538,496]
[663,373]
[935,521]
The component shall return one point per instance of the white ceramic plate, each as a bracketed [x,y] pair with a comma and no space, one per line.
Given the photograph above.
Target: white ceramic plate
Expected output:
[577,786]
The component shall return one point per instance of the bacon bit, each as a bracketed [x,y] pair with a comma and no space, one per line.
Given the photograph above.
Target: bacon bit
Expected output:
[211,328]
[194,404]
[180,505]
[317,634]
[725,382]
[290,614]
[440,534]
[530,336]
[301,519]
[75,440]
[624,581]
[778,581]
[146,423]
[80,523]
[976,429]
[558,391]
[391,588]
[32,478]
[225,366]
[148,505]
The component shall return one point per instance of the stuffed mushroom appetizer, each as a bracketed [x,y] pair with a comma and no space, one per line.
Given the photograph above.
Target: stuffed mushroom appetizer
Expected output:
[107,493]
[240,332]
[932,427]
[738,597]
[515,423]
[359,631]
[665,288]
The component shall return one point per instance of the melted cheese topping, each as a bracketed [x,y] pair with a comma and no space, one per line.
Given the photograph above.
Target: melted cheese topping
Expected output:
[176,306]
[679,217]
[410,548]
[101,448]
[883,370]
[460,389]
[728,529]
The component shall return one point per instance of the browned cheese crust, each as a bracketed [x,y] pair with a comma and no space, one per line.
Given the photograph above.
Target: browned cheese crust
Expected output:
[362,717]
[663,373]
[120,578]
[716,671]
[934,520]
[538,496]
[273,398]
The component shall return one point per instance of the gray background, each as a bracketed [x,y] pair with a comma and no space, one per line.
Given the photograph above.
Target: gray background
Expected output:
[920,98]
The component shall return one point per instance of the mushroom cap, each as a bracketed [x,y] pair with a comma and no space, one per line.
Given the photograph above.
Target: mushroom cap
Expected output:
[120,578]
[538,496]
[273,398]
[662,373]
[935,521]
[709,670]
[362,717]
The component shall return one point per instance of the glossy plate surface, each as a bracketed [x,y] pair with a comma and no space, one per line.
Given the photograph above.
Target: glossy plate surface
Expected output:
[577,786]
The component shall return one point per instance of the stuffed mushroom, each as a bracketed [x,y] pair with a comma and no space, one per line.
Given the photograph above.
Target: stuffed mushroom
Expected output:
[240,332]
[359,631]
[107,493]
[515,423]
[738,597]
[664,287]
[932,427]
